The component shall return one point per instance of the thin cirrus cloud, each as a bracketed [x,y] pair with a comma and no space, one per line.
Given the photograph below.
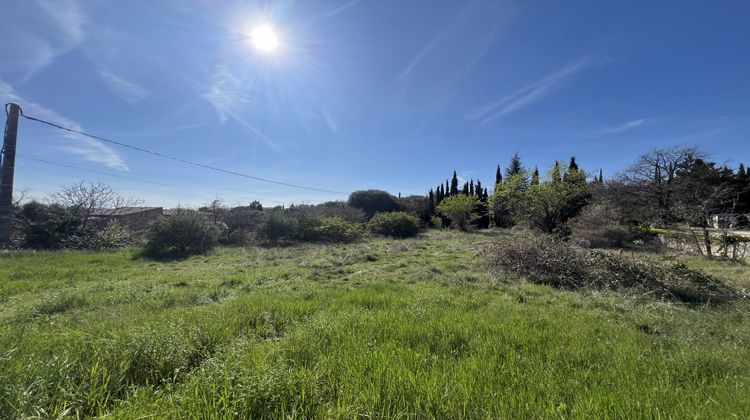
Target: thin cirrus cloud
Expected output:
[341,8]
[85,147]
[529,94]
[31,51]
[124,89]
[625,127]
[430,45]
[227,94]
[418,57]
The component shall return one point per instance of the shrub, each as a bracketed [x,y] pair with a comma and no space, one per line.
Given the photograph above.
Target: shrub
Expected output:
[597,227]
[277,227]
[340,209]
[373,201]
[417,206]
[185,233]
[459,209]
[45,226]
[113,235]
[335,230]
[242,223]
[547,260]
[396,224]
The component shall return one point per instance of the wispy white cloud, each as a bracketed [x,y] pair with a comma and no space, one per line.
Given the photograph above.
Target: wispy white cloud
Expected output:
[529,94]
[85,147]
[417,58]
[342,8]
[124,89]
[31,50]
[329,120]
[624,127]
[227,94]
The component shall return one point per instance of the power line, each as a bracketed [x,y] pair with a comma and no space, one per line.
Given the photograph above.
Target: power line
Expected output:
[67,165]
[189,162]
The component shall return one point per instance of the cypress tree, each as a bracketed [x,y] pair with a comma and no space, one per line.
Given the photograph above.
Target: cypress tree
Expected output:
[573,166]
[515,166]
[478,189]
[498,176]
[601,177]
[465,189]
[447,189]
[454,184]
[741,172]
[535,176]
[556,176]
[431,203]
[486,196]
[471,187]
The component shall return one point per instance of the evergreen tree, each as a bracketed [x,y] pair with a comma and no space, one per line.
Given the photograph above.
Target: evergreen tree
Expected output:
[572,172]
[498,176]
[486,196]
[447,189]
[515,166]
[482,209]
[431,204]
[465,189]
[471,187]
[741,172]
[601,177]
[555,174]
[573,166]
[535,176]
[454,184]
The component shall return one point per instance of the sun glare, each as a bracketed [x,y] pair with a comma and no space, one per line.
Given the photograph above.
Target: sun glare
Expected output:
[264,38]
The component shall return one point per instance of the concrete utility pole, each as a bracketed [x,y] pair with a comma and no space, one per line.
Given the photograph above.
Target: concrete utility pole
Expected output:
[6,181]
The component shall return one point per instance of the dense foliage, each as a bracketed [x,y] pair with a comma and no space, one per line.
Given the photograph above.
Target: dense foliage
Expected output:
[335,230]
[460,209]
[395,224]
[373,201]
[184,233]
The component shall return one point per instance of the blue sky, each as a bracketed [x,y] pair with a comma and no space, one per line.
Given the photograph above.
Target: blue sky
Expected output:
[365,94]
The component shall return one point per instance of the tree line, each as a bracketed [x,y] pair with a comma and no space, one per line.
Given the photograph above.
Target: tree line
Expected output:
[676,188]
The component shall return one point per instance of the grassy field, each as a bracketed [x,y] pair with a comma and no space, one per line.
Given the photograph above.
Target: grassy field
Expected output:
[383,328]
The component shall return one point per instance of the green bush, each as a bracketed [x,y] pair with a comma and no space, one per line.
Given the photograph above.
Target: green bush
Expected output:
[184,233]
[336,230]
[45,226]
[373,201]
[397,224]
[277,227]
[242,223]
[113,235]
[459,209]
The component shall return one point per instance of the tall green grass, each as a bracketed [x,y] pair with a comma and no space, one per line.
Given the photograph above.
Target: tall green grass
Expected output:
[409,328]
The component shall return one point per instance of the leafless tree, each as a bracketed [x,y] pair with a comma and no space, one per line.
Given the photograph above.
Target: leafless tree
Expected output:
[87,199]
[648,186]
[19,197]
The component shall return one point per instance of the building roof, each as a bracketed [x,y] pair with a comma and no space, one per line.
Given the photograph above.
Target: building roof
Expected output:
[124,211]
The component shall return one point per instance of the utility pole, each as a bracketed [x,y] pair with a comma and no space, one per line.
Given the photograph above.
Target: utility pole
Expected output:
[6,181]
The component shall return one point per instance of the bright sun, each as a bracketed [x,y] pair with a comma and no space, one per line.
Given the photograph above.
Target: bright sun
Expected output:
[264,38]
